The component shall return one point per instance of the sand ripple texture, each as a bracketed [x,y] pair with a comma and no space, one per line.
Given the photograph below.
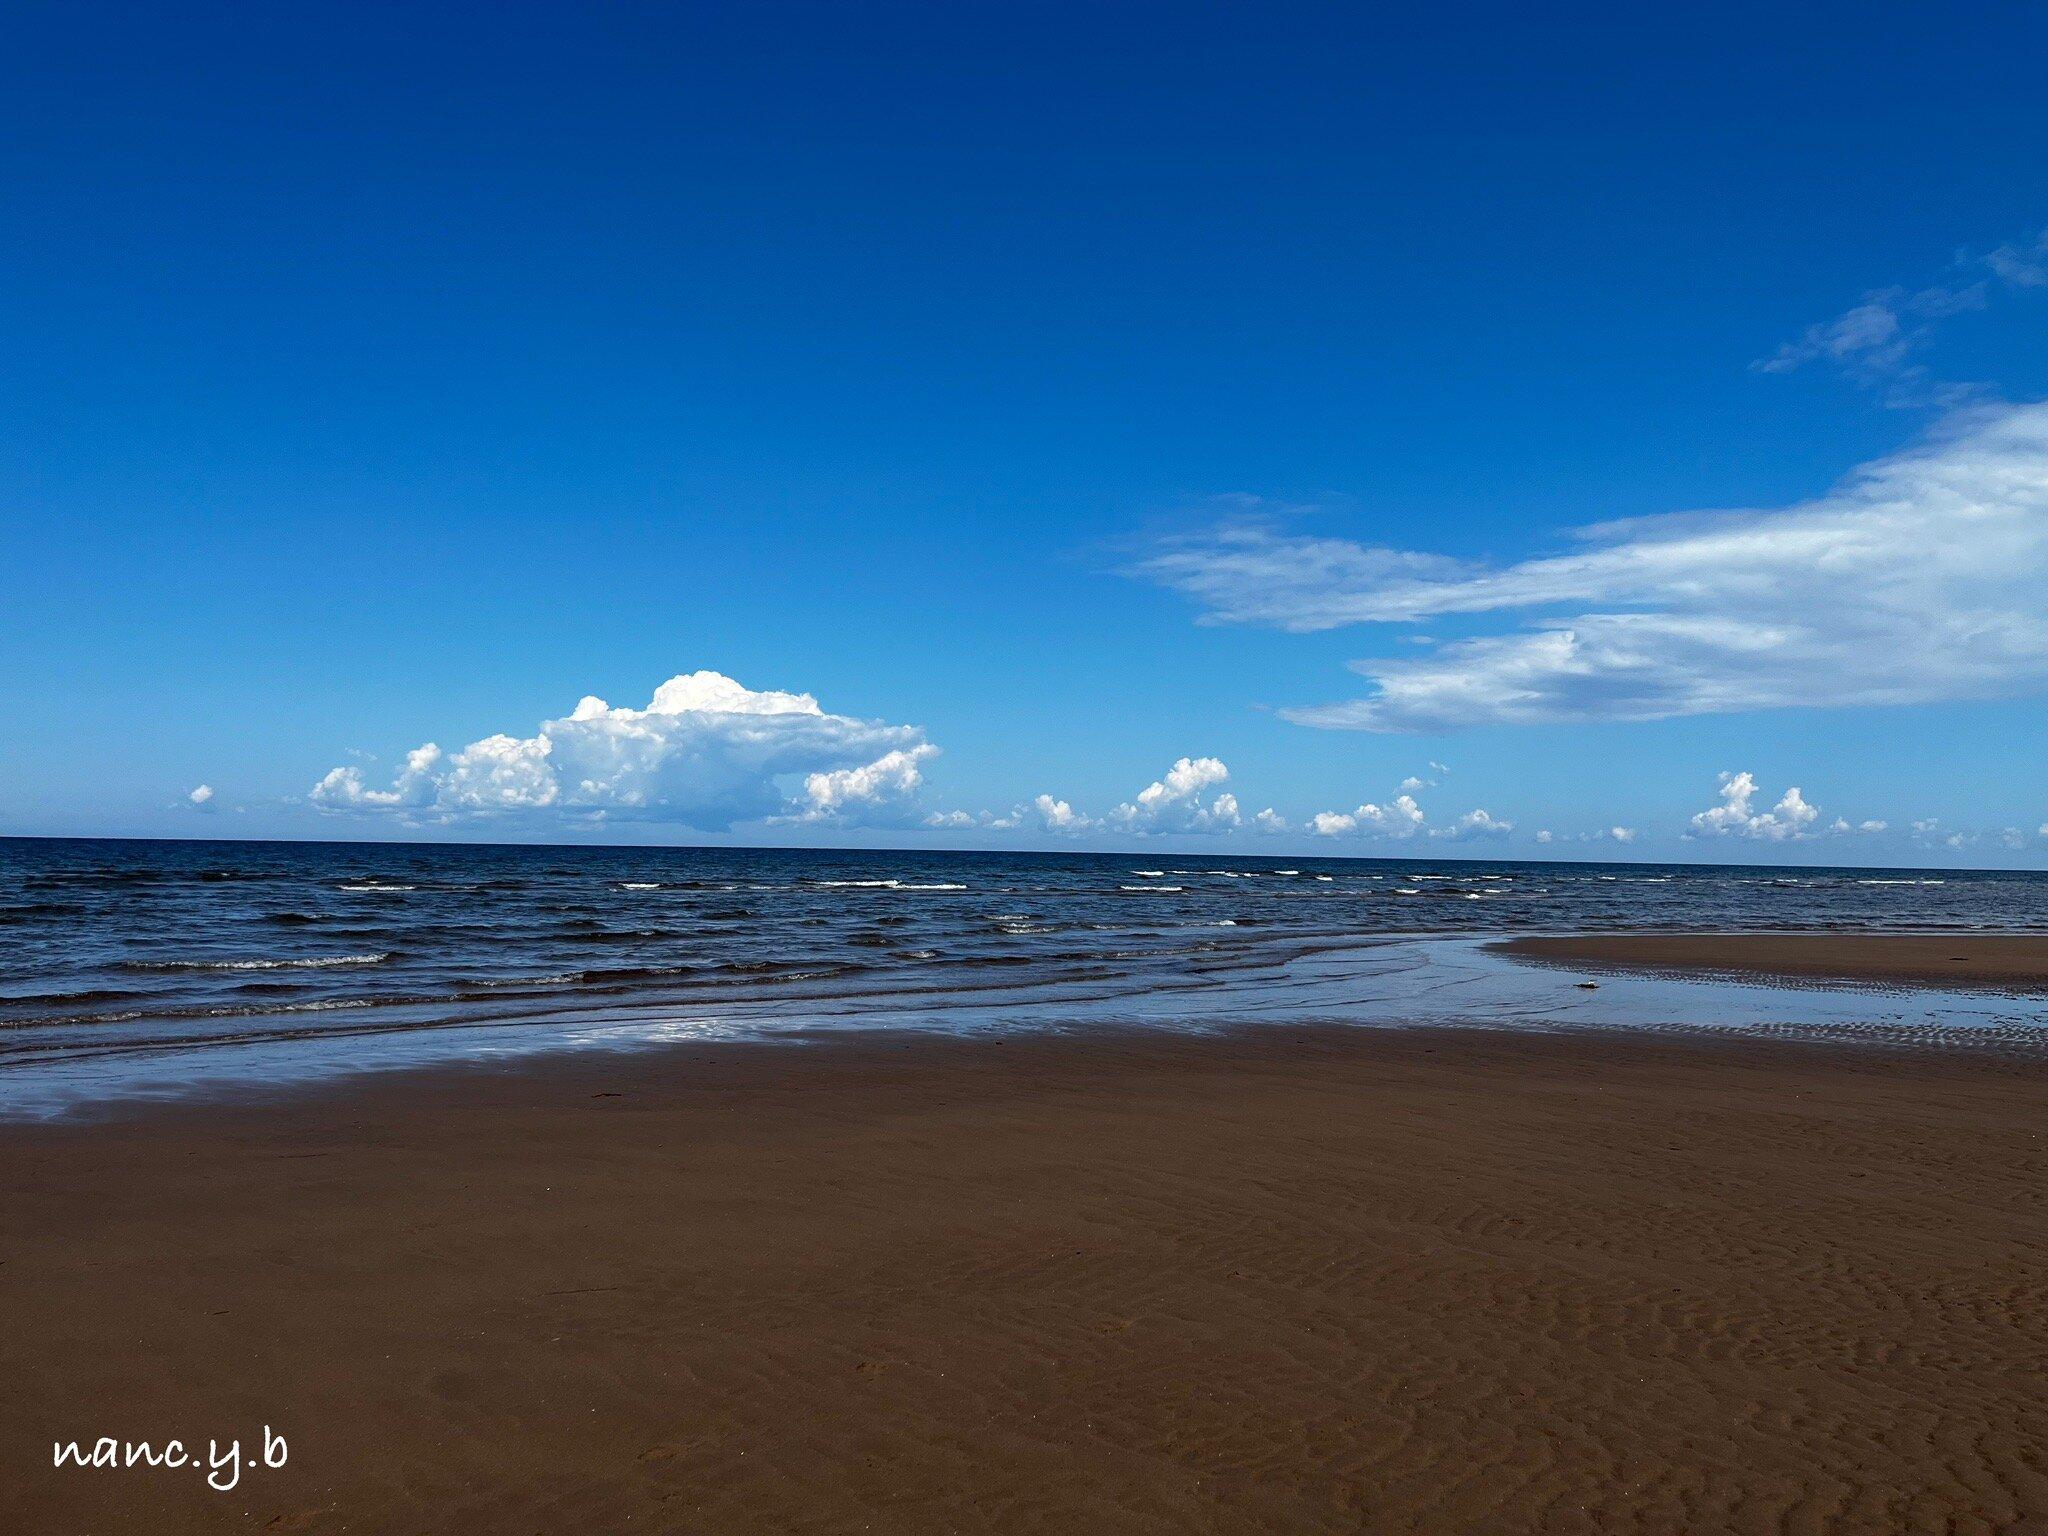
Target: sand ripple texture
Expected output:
[1326,1281]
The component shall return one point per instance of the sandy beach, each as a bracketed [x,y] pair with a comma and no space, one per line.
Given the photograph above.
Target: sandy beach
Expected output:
[2014,961]
[1292,1280]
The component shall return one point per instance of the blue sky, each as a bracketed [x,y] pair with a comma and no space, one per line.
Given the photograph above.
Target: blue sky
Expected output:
[1070,390]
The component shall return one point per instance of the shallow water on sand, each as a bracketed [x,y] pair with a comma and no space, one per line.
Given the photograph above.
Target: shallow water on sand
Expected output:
[151,969]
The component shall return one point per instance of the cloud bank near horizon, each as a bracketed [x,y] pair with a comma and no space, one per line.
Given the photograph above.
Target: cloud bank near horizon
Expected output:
[706,752]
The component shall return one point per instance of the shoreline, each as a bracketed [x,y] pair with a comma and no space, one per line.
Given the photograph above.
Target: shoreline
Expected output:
[2000,961]
[1771,985]
[1289,1278]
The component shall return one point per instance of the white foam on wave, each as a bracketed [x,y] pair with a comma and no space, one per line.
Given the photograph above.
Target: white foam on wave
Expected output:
[380,889]
[307,963]
[893,885]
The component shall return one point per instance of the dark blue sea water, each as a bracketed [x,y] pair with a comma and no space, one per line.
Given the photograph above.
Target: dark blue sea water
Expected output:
[142,966]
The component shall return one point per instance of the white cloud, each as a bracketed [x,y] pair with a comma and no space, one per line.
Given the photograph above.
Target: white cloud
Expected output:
[1175,803]
[1473,824]
[503,773]
[1870,335]
[894,776]
[1059,816]
[200,796]
[1599,835]
[1921,577]
[1735,816]
[2023,266]
[1399,817]
[1875,342]
[1878,341]
[706,752]
[344,789]
[1271,821]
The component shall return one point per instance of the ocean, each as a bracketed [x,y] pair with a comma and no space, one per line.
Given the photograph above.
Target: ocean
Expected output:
[157,968]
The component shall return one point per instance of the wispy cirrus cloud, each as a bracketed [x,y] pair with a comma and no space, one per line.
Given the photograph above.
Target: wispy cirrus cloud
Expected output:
[1920,577]
[1879,341]
[1876,342]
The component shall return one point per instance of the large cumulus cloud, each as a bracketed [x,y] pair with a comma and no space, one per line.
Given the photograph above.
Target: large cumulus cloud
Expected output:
[706,753]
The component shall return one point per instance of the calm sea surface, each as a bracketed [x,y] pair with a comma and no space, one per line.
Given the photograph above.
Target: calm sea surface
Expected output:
[130,967]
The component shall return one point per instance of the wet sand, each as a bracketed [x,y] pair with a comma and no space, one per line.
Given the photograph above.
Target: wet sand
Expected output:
[2017,961]
[1287,1281]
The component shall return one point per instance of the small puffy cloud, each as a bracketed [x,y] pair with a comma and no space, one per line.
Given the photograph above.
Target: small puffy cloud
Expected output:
[1736,816]
[201,795]
[706,752]
[1059,816]
[1399,817]
[892,777]
[1473,824]
[1271,821]
[1178,802]
[344,788]
[1598,835]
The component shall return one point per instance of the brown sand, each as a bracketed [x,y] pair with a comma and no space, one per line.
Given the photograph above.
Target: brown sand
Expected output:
[2007,960]
[1290,1281]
